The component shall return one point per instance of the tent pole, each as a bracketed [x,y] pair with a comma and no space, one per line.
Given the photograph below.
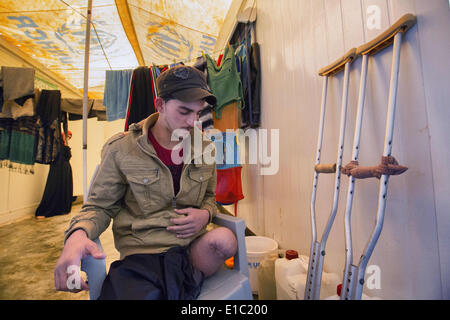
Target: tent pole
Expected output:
[85,97]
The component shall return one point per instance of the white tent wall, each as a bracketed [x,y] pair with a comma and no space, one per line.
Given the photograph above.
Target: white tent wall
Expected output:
[297,38]
[21,193]
[98,133]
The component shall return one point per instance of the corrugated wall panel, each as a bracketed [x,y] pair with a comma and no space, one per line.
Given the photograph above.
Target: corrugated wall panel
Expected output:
[299,37]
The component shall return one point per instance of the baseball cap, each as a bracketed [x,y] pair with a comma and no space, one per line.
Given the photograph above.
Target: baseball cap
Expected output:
[186,84]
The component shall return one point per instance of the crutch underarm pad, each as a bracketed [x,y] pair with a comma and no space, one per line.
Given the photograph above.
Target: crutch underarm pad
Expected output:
[325,168]
[388,166]
[339,64]
[385,39]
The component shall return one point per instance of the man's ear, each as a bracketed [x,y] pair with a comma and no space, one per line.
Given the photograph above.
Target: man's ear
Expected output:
[159,104]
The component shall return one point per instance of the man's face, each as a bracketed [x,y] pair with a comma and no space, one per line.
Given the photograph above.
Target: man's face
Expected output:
[181,115]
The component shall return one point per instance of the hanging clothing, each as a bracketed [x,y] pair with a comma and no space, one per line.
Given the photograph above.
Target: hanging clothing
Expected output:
[141,102]
[251,116]
[116,94]
[99,110]
[219,59]
[18,136]
[17,119]
[75,108]
[229,186]
[224,81]
[13,110]
[17,144]
[248,57]
[227,151]
[17,82]
[229,119]
[200,64]
[48,111]
[228,164]
[16,87]
[206,118]
[58,193]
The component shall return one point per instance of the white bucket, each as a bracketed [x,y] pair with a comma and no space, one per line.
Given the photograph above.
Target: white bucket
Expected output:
[257,248]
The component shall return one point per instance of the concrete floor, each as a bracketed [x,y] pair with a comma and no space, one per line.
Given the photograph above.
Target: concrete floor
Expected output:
[29,251]
[28,254]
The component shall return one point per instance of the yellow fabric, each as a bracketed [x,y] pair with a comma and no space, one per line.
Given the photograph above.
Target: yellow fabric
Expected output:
[52,32]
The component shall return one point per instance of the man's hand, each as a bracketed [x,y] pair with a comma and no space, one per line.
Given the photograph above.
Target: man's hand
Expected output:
[77,247]
[193,221]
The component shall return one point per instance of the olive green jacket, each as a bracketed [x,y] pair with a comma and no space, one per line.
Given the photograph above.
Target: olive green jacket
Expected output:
[134,188]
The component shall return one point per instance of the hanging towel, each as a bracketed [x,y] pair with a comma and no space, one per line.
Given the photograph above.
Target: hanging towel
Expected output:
[17,82]
[141,96]
[115,98]
[224,81]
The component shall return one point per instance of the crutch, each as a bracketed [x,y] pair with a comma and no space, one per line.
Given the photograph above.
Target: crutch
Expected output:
[317,254]
[353,279]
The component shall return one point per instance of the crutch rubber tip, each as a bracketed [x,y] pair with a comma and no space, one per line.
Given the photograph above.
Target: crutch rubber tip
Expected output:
[339,289]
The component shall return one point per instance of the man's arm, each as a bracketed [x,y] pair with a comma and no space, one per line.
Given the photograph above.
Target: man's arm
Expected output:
[77,247]
[107,189]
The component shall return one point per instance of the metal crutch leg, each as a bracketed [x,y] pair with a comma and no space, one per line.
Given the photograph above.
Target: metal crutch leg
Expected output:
[349,267]
[314,246]
[353,280]
[317,253]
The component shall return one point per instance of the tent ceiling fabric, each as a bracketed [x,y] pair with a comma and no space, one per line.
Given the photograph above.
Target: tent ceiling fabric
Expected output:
[53,33]
[170,31]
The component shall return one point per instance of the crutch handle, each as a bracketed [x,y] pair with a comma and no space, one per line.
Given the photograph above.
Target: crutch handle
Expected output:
[385,39]
[339,64]
[325,168]
[388,166]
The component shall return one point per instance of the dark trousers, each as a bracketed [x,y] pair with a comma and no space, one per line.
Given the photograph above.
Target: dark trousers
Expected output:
[165,276]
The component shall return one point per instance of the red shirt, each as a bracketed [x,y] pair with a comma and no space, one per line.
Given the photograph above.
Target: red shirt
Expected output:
[165,155]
